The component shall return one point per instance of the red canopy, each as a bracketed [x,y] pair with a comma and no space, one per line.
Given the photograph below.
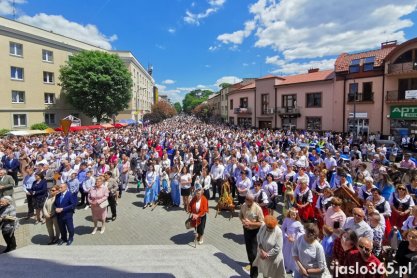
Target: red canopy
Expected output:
[84,127]
[119,125]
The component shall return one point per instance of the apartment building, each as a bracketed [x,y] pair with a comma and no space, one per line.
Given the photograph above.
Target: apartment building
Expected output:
[30,91]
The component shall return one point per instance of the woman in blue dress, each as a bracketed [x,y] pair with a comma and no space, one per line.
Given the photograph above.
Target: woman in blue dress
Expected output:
[174,177]
[386,186]
[150,182]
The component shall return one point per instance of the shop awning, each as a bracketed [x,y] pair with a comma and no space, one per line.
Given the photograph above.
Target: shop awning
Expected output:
[83,127]
[27,132]
[128,121]
[119,125]
[107,125]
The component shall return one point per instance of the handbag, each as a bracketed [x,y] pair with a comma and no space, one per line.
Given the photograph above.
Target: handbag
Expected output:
[188,224]
[104,204]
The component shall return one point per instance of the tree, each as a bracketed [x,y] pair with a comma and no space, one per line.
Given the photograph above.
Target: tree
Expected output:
[39,126]
[97,83]
[194,98]
[202,111]
[178,107]
[225,85]
[160,111]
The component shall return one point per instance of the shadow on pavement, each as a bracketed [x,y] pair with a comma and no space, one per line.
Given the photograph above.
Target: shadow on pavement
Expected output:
[236,266]
[185,238]
[40,239]
[83,230]
[236,238]
[36,268]
[138,204]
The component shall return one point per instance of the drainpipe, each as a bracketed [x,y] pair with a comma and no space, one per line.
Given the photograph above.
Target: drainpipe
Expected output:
[383,102]
[254,115]
[344,103]
[276,106]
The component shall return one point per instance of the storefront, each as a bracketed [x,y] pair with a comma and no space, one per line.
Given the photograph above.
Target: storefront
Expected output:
[403,121]
[265,124]
[361,125]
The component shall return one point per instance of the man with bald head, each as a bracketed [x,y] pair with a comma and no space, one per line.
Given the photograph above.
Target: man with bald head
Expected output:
[361,259]
[252,218]
[358,225]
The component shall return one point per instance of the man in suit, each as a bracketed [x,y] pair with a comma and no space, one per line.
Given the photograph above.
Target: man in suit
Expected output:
[12,165]
[6,184]
[64,208]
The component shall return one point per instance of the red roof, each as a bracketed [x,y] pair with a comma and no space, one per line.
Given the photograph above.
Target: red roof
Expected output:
[343,61]
[307,77]
[249,86]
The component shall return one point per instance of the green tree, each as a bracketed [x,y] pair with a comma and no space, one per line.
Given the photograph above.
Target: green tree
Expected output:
[194,98]
[97,83]
[225,85]
[178,107]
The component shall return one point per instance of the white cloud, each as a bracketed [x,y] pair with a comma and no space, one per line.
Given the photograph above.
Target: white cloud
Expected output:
[228,79]
[162,47]
[58,24]
[289,28]
[195,18]
[238,36]
[213,48]
[286,68]
[6,7]
[207,66]
[172,30]
[168,82]
[161,88]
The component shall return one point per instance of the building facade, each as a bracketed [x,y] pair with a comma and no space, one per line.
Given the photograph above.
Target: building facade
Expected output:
[29,71]
[241,105]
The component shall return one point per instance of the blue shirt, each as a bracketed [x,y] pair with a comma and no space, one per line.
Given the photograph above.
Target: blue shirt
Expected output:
[27,182]
[327,244]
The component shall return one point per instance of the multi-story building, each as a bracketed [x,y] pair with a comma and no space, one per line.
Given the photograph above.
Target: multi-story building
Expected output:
[224,96]
[241,104]
[360,84]
[30,91]
[142,88]
[399,115]
[214,103]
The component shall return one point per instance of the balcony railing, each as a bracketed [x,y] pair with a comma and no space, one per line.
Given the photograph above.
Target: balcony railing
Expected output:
[289,110]
[243,110]
[361,97]
[397,96]
[402,68]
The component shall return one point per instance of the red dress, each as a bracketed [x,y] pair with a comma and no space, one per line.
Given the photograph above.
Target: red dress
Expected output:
[306,197]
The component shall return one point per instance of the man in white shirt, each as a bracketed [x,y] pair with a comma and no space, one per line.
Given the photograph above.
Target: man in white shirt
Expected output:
[217,175]
[331,164]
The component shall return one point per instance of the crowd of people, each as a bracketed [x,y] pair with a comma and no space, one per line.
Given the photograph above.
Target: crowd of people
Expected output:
[290,174]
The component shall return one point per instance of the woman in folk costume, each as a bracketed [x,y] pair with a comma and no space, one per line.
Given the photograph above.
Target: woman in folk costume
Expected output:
[383,207]
[401,203]
[174,177]
[165,179]
[304,200]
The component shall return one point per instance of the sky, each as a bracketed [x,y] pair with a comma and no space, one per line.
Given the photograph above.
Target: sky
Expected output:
[202,43]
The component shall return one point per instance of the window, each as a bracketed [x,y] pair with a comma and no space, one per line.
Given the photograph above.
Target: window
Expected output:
[49,118]
[49,98]
[354,65]
[264,103]
[243,102]
[353,91]
[16,49]
[48,77]
[313,100]
[47,55]
[16,73]
[245,122]
[18,97]
[368,63]
[367,94]
[231,120]
[313,123]
[19,120]
[231,104]
[289,101]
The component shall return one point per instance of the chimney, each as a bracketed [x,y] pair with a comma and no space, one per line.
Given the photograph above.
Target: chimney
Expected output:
[313,70]
[388,44]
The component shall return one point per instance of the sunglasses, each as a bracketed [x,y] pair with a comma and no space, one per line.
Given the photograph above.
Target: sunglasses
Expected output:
[364,248]
[402,189]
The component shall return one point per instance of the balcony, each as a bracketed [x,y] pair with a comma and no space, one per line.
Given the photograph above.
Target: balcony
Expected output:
[243,111]
[399,97]
[361,97]
[289,112]
[403,68]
